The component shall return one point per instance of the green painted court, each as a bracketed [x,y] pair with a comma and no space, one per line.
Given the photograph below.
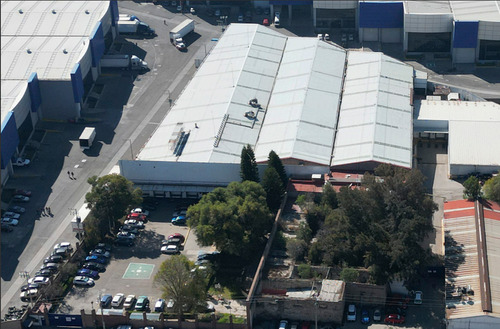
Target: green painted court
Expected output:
[138,271]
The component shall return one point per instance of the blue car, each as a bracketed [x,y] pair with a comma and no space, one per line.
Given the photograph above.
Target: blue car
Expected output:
[88,273]
[365,316]
[106,300]
[179,220]
[96,259]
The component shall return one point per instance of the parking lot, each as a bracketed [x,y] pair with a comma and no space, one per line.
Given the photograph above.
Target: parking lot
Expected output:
[131,270]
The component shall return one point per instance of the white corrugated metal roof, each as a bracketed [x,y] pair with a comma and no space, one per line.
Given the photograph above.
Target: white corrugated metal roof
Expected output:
[301,117]
[52,58]
[427,7]
[51,18]
[476,10]
[474,143]
[12,91]
[375,122]
[242,66]
[456,110]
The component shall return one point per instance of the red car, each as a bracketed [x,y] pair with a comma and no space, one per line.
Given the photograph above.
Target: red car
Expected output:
[137,216]
[23,192]
[265,22]
[177,236]
[394,319]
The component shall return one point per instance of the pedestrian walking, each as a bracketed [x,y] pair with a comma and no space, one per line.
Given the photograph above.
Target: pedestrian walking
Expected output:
[42,211]
[50,211]
[68,174]
[165,22]
[72,174]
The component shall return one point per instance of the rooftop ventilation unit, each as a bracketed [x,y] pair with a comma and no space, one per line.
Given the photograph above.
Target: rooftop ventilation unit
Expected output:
[20,11]
[65,51]
[28,51]
[53,11]
[87,11]
[250,114]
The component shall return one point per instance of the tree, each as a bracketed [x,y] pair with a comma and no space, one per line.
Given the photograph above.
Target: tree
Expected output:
[296,248]
[492,188]
[472,189]
[304,233]
[109,199]
[305,271]
[248,165]
[274,161]
[380,226]
[329,196]
[236,219]
[178,282]
[273,187]
[349,274]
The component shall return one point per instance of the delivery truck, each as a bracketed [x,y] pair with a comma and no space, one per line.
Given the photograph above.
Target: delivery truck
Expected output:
[128,17]
[134,27]
[87,138]
[125,62]
[179,32]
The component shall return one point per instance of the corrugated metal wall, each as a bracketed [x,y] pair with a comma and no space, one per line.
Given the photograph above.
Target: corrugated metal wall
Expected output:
[77,83]
[10,139]
[96,45]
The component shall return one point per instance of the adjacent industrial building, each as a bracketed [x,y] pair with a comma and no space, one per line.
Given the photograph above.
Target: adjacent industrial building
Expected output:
[50,59]
[471,263]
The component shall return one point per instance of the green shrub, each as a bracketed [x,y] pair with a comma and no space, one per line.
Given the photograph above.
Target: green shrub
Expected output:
[305,271]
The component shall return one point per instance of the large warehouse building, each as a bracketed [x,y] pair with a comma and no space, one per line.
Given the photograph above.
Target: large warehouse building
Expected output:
[467,30]
[50,59]
[279,93]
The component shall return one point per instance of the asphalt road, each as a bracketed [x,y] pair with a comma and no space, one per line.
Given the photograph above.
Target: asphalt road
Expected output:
[127,112]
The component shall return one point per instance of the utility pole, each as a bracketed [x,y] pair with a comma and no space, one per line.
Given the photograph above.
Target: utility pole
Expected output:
[102,313]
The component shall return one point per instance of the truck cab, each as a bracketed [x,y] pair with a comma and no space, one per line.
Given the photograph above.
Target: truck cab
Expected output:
[143,28]
[179,43]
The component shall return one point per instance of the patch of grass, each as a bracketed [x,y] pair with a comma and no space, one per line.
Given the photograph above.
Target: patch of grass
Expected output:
[224,318]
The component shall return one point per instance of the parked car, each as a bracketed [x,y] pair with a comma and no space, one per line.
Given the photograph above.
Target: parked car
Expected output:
[100,252]
[97,259]
[160,305]
[21,162]
[134,223]
[129,302]
[128,235]
[17,209]
[394,319]
[105,300]
[39,279]
[103,246]
[192,11]
[11,214]
[265,21]
[63,252]
[124,242]
[50,266]
[53,259]
[179,220]
[140,211]
[171,249]
[137,216]
[351,313]
[86,272]
[129,229]
[30,286]
[142,303]
[6,227]
[177,236]
[23,192]
[45,273]
[283,324]
[66,245]
[9,221]
[94,267]
[365,316]
[117,300]
[20,198]
[377,315]
[28,295]
[170,304]
[418,298]
[83,281]
[181,211]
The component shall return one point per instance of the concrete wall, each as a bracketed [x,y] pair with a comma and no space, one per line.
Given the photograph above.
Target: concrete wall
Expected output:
[299,310]
[367,294]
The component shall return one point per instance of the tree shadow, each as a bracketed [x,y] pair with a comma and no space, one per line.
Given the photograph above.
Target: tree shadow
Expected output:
[454,257]
[147,245]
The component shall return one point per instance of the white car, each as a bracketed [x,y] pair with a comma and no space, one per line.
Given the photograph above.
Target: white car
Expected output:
[83,281]
[65,245]
[283,324]
[12,215]
[134,223]
[39,280]
[117,300]
[170,249]
[28,295]
[20,162]
[10,221]
[351,313]
[129,302]
[140,211]
[418,298]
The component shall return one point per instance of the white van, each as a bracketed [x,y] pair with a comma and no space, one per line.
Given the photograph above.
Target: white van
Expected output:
[277,19]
